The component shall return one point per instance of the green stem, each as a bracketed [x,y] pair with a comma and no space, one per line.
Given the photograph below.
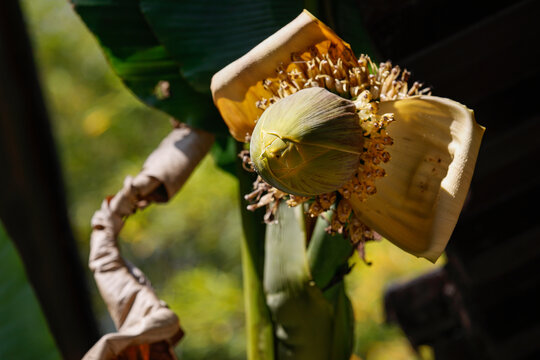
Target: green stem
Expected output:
[328,260]
[302,316]
[259,328]
[328,255]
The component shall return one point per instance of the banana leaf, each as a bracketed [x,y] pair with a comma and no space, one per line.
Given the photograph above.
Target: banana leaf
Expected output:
[23,330]
[206,35]
[143,64]
[166,51]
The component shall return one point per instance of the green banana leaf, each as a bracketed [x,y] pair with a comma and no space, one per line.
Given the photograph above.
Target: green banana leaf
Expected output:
[23,331]
[166,51]
[143,64]
[206,35]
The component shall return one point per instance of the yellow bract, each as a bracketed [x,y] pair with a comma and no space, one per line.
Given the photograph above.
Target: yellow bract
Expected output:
[237,88]
[436,141]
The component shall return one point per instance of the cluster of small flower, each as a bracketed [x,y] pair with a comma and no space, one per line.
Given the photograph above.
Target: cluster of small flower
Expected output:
[365,84]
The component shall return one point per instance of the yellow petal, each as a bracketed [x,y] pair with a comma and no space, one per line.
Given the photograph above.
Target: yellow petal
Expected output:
[436,142]
[237,87]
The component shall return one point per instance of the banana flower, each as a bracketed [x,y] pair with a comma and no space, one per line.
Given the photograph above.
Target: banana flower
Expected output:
[402,170]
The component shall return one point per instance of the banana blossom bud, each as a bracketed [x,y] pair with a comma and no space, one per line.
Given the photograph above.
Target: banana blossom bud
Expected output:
[417,152]
[303,133]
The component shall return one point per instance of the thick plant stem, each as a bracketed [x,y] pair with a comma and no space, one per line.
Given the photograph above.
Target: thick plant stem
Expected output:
[259,328]
[302,316]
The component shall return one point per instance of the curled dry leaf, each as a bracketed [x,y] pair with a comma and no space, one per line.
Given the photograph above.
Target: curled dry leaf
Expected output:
[147,328]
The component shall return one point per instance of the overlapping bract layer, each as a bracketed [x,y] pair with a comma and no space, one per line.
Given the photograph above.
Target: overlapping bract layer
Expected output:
[303,133]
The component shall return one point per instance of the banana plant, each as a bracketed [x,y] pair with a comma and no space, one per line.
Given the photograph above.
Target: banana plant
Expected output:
[335,149]
[328,131]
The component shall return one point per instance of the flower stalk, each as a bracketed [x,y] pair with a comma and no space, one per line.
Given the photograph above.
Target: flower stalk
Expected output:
[259,326]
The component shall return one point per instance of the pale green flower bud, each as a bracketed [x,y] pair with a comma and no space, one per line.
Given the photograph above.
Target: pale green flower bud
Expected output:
[308,143]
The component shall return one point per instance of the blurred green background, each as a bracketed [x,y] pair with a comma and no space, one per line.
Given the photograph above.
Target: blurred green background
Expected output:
[189,247]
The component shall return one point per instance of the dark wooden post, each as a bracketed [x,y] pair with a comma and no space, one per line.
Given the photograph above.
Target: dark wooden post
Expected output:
[484,304]
[33,207]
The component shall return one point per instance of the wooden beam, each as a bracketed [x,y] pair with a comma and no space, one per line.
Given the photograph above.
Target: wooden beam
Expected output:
[33,207]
